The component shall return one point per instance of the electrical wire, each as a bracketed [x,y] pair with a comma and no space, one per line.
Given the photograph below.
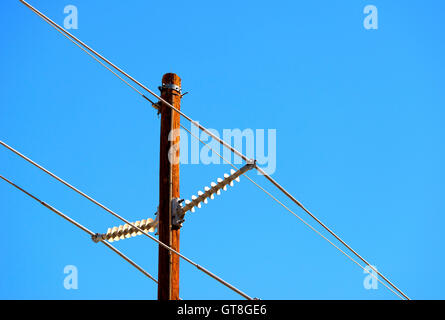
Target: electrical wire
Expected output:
[220,280]
[330,231]
[202,128]
[81,43]
[292,212]
[105,66]
[64,216]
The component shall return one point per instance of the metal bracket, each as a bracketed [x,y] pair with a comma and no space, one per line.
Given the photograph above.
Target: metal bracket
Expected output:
[177,213]
[170,86]
[98,237]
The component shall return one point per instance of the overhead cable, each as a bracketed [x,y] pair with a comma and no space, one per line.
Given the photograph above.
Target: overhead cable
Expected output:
[220,280]
[292,212]
[202,128]
[64,216]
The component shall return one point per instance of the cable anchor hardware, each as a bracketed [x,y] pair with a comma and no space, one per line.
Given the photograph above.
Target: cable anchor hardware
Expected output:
[98,237]
[156,105]
[177,214]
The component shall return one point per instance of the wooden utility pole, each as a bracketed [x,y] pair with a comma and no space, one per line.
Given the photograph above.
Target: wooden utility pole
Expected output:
[168,270]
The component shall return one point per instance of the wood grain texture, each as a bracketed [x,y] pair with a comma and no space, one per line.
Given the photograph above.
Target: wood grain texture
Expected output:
[168,272]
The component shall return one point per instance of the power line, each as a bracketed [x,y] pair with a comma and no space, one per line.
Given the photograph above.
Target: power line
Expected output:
[60,29]
[64,216]
[222,142]
[220,280]
[105,66]
[329,230]
[292,212]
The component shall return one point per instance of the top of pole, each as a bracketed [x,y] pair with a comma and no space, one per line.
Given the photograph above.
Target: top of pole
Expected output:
[171,78]
[171,81]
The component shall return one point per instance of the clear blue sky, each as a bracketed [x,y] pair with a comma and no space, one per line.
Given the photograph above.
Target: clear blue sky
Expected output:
[360,141]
